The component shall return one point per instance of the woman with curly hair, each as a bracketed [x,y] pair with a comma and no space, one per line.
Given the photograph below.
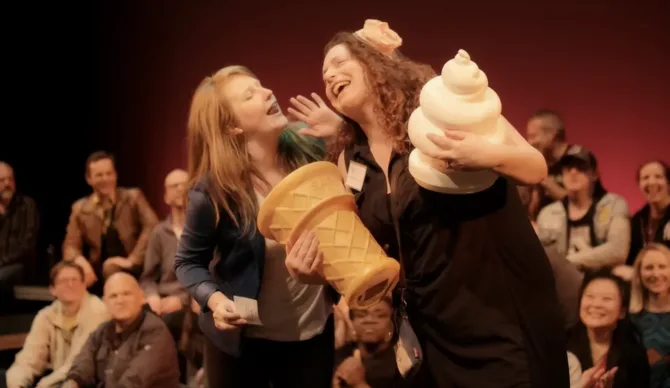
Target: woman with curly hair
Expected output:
[479,288]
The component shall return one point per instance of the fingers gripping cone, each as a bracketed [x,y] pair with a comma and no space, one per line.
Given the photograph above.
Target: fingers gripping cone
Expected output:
[314,198]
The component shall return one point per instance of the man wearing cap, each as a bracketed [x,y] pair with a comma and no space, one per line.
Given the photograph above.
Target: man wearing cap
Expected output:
[590,226]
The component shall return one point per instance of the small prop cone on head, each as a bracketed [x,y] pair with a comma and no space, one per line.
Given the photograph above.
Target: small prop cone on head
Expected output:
[459,99]
[314,197]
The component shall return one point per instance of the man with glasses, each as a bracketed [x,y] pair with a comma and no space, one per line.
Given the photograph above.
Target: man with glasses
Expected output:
[59,330]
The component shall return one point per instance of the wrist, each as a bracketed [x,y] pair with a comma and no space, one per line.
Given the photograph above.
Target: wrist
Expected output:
[216,299]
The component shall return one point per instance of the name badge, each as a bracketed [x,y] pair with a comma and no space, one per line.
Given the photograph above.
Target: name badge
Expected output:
[356,176]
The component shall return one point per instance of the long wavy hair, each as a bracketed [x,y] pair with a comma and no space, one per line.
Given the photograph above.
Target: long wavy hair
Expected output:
[639,295]
[219,156]
[395,82]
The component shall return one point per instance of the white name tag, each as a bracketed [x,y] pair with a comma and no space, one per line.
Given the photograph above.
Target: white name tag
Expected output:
[356,176]
[248,309]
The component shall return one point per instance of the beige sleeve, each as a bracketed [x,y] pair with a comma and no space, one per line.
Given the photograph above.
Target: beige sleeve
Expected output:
[614,250]
[33,359]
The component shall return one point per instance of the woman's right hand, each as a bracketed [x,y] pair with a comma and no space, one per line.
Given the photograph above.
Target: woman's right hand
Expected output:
[224,312]
[598,378]
[304,260]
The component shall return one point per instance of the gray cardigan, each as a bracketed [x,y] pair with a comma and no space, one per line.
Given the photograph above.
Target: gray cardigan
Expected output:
[612,232]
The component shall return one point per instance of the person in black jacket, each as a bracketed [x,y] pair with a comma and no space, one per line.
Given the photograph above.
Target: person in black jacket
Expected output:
[652,222]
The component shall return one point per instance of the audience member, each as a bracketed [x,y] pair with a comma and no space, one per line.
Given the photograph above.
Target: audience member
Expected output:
[605,341]
[113,224]
[652,222]
[590,226]
[650,308]
[546,132]
[58,332]
[165,295]
[369,360]
[134,349]
[19,223]
[575,369]
[192,346]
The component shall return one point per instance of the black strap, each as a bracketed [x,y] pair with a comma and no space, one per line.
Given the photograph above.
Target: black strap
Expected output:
[348,156]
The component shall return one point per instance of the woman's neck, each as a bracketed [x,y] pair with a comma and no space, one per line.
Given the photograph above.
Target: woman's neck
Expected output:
[656,209]
[658,303]
[580,199]
[263,153]
[600,340]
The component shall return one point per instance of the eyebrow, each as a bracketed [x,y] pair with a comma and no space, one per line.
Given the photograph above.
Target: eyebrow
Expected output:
[333,59]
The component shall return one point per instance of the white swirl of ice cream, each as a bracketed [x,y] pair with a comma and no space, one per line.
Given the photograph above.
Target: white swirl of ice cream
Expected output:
[458,99]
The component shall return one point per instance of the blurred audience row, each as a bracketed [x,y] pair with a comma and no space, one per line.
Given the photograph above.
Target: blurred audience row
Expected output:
[612,275]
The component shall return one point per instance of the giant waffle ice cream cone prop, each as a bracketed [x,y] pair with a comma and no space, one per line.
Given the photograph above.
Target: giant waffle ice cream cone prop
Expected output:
[314,197]
[457,99]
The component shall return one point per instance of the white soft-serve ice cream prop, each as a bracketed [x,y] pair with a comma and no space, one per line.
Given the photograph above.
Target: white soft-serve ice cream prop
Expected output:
[458,99]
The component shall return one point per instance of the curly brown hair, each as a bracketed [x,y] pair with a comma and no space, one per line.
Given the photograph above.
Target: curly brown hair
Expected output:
[395,82]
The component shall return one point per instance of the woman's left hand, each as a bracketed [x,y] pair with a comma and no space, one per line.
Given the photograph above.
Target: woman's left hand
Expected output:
[322,121]
[465,151]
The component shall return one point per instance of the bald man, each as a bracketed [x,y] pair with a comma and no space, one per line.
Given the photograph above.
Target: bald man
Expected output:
[133,349]
[19,223]
[164,294]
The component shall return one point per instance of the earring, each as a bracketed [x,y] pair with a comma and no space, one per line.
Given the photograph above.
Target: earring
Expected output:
[389,336]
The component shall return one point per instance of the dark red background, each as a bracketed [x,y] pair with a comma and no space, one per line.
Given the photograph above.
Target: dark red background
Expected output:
[136,64]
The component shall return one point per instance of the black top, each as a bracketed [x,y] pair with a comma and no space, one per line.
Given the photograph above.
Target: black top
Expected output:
[481,293]
[626,352]
[214,257]
[640,236]
[381,370]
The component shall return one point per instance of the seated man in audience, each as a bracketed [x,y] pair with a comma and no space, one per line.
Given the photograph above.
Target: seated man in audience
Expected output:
[134,349]
[546,132]
[58,332]
[19,222]
[590,227]
[165,295]
[112,225]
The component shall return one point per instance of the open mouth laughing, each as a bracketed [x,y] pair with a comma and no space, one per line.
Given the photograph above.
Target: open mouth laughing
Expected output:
[338,87]
[274,109]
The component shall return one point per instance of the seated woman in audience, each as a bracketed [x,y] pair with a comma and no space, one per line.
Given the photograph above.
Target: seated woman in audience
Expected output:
[239,148]
[650,308]
[605,341]
[590,226]
[369,360]
[652,222]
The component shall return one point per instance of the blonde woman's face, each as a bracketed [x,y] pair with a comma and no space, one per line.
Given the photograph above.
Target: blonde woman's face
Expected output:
[255,108]
[655,272]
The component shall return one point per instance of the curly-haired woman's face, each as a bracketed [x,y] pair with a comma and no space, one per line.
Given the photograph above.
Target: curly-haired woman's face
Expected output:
[344,78]
[655,272]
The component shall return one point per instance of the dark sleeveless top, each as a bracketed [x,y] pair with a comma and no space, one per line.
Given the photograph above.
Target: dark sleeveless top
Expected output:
[480,289]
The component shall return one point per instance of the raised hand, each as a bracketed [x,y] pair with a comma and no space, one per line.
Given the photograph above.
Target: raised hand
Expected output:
[321,120]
